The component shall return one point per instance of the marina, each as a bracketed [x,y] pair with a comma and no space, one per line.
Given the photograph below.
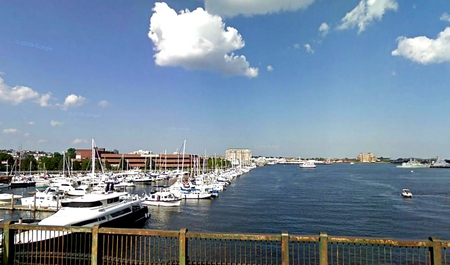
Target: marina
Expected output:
[341,199]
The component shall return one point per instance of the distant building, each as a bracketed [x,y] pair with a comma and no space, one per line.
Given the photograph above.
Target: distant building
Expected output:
[238,156]
[366,158]
[155,161]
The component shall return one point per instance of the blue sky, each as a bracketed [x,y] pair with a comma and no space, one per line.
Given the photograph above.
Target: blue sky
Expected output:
[294,78]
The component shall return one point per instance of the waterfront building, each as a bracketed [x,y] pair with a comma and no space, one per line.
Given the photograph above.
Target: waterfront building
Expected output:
[366,158]
[238,156]
[142,160]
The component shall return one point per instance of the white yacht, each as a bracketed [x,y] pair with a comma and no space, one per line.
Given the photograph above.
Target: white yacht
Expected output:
[49,198]
[413,163]
[308,164]
[109,209]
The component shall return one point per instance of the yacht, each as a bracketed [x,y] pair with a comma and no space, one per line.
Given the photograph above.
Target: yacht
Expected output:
[49,198]
[413,163]
[308,164]
[108,209]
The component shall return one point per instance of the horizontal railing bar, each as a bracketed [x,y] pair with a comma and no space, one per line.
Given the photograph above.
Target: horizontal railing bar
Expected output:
[247,237]
[137,231]
[380,241]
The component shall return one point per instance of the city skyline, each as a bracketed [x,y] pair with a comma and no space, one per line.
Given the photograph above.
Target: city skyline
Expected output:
[291,78]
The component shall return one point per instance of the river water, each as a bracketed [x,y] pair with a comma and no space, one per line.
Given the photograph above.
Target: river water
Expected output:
[361,200]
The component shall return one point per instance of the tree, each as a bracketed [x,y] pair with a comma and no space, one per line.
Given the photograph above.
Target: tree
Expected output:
[9,160]
[29,163]
[71,153]
[76,165]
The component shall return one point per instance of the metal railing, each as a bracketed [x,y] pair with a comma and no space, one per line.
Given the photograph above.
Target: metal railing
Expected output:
[32,244]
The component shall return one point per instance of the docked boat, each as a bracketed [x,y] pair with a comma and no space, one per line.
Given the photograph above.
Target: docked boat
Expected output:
[109,209]
[162,198]
[78,191]
[413,163]
[7,197]
[406,193]
[308,164]
[49,198]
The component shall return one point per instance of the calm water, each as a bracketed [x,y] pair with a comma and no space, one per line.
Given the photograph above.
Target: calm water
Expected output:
[342,200]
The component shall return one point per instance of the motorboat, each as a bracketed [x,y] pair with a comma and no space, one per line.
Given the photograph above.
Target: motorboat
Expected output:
[78,191]
[7,197]
[406,193]
[163,198]
[308,164]
[108,209]
[49,198]
[413,163]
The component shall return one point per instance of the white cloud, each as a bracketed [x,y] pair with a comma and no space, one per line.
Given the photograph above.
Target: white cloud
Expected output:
[30,123]
[1,73]
[424,50]
[26,134]
[19,94]
[56,123]
[308,48]
[269,68]
[365,12]
[230,8]
[79,141]
[1,123]
[103,104]
[445,17]
[324,29]
[73,100]
[42,141]
[11,131]
[43,100]
[197,41]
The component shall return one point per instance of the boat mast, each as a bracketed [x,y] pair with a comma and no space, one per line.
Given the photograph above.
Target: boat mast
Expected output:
[93,158]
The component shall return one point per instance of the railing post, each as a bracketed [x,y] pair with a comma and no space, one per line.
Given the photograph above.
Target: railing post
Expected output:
[285,248]
[323,248]
[435,251]
[183,246]
[94,247]
[8,244]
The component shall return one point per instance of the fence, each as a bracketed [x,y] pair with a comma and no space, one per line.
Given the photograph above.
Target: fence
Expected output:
[32,244]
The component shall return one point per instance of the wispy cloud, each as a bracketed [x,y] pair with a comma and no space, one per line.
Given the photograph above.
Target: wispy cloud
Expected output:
[11,131]
[324,29]
[42,141]
[308,48]
[79,141]
[366,12]
[56,123]
[197,40]
[424,50]
[230,8]
[445,17]
[269,68]
[30,123]
[104,104]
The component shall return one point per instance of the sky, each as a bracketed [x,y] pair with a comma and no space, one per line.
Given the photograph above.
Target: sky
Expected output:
[291,78]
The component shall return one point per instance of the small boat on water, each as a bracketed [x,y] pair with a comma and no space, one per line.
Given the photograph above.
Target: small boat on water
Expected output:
[308,164]
[406,193]
[163,198]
